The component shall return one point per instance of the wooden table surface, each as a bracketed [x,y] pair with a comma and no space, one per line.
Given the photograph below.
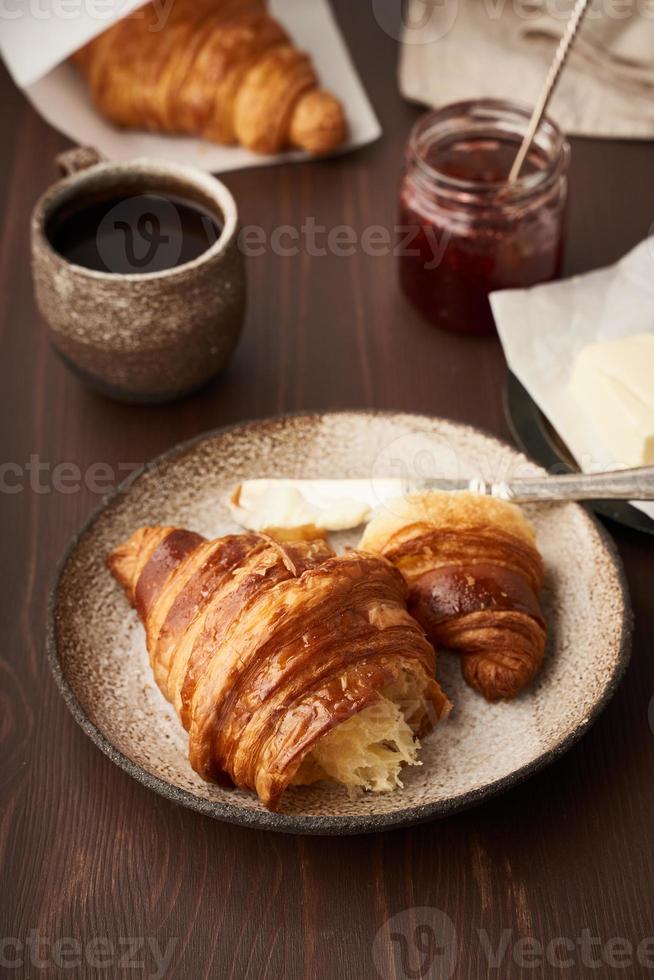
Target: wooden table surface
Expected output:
[98,871]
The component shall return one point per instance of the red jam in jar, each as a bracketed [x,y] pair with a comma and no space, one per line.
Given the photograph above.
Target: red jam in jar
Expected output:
[464,231]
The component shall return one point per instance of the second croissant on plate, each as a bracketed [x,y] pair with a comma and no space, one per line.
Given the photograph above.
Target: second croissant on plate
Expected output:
[224,70]
[474,575]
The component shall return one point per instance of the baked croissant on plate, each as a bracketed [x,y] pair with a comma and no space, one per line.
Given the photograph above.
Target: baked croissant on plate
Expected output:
[474,575]
[224,70]
[285,663]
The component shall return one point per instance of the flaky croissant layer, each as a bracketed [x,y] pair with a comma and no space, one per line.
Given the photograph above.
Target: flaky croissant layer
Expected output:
[224,70]
[474,575]
[265,648]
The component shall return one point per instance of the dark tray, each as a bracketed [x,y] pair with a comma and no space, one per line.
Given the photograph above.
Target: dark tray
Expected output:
[536,437]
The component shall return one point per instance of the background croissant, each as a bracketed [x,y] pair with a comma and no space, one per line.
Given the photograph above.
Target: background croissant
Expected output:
[224,70]
[474,576]
[284,662]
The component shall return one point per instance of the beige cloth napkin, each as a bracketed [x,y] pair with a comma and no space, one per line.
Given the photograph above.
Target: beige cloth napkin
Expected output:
[463,49]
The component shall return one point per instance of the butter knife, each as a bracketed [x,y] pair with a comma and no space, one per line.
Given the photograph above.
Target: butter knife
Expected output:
[340,504]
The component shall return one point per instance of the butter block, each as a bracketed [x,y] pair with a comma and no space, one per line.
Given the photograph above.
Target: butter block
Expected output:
[613,382]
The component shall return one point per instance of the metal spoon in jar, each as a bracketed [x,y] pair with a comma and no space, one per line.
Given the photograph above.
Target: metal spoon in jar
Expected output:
[560,58]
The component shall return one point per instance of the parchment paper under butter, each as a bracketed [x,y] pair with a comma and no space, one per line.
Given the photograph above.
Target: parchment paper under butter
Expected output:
[61,96]
[542,330]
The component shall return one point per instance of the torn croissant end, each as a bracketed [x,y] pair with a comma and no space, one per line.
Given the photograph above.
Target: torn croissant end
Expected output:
[368,751]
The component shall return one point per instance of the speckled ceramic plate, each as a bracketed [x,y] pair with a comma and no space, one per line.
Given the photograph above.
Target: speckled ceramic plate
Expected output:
[97,648]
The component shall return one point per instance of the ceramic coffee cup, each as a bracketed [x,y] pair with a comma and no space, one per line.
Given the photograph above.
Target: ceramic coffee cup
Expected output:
[141,336]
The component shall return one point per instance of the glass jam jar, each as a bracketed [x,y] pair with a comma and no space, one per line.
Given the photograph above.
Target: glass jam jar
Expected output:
[464,231]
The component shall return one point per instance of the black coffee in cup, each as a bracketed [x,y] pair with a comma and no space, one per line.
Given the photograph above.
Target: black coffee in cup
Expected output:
[132,231]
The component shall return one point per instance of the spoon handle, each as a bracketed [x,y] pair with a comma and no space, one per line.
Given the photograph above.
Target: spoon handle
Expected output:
[560,58]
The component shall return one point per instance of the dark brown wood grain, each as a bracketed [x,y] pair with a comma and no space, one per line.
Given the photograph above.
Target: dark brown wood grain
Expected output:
[89,855]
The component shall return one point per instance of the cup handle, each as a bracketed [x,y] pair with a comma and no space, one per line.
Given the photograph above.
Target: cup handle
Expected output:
[79,158]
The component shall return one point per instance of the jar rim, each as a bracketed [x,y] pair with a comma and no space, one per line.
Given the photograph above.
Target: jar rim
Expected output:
[467,119]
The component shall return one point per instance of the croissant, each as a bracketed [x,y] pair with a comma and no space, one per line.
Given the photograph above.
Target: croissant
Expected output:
[224,70]
[474,576]
[285,663]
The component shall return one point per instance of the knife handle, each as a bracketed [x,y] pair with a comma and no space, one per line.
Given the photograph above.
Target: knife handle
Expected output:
[634,484]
